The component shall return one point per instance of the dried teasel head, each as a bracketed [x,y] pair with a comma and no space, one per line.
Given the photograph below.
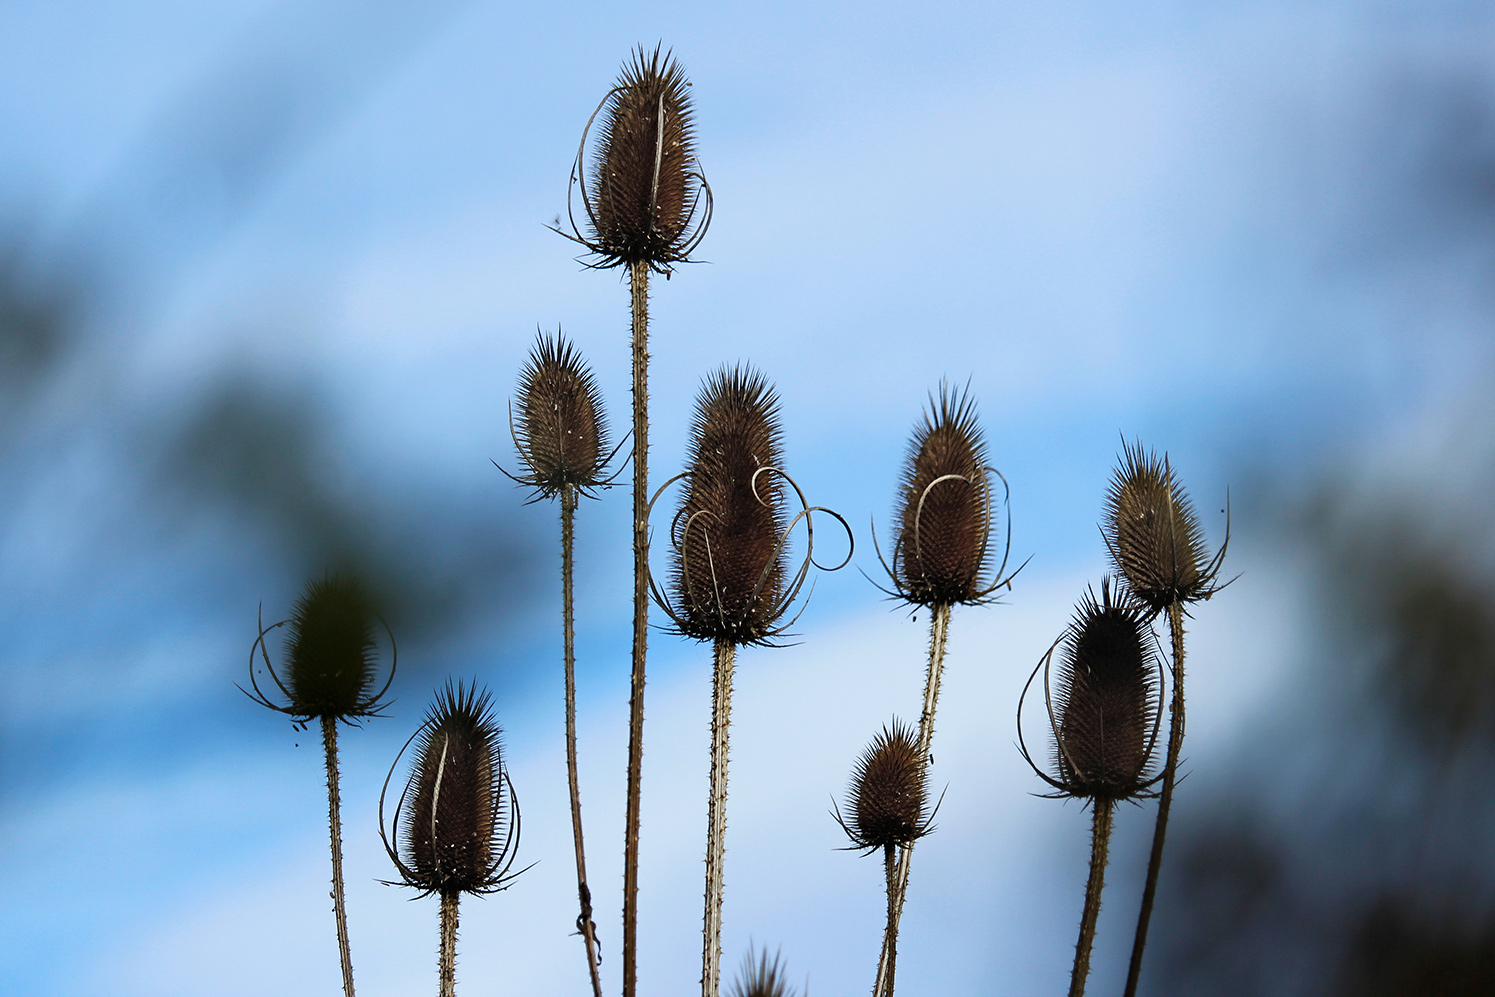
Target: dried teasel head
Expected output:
[887,803]
[456,825]
[761,976]
[1106,711]
[561,437]
[1153,534]
[331,660]
[942,537]
[643,191]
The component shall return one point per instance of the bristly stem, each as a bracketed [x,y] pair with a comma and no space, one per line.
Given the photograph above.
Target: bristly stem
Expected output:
[447,968]
[1165,798]
[584,924]
[638,281]
[939,625]
[890,933]
[716,817]
[1099,844]
[335,826]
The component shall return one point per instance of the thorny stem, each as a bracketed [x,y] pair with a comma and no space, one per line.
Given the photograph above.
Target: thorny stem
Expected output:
[447,968]
[1165,798]
[890,933]
[584,924]
[716,818]
[638,281]
[939,625]
[1099,842]
[335,826]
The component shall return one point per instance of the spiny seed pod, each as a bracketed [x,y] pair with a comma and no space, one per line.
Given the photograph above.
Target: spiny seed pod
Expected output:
[761,977]
[645,184]
[1153,535]
[561,437]
[888,800]
[729,559]
[456,825]
[1106,706]
[943,529]
[330,652]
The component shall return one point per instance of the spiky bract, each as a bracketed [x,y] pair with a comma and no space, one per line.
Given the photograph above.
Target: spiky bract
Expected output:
[561,436]
[1153,534]
[728,536]
[943,528]
[1106,703]
[761,977]
[645,182]
[888,801]
[457,824]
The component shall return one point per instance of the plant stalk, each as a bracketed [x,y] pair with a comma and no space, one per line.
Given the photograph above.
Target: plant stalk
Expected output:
[447,968]
[1165,798]
[939,626]
[584,924]
[890,933]
[638,282]
[335,826]
[716,818]
[1100,839]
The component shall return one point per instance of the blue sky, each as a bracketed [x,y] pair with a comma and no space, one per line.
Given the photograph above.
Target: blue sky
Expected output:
[1249,234]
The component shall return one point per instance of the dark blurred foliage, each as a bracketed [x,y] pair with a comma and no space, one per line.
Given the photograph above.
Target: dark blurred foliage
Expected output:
[38,311]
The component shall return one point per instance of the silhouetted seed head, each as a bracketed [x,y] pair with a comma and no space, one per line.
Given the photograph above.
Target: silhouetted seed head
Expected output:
[944,516]
[457,824]
[888,802]
[1107,701]
[761,977]
[729,562]
[1153,535]
[330,653]
[561,437]
[645,183]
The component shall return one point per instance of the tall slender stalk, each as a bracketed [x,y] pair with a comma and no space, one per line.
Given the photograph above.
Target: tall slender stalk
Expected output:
[584,923]
[1165,798]
[939,625]
[335,827]
[890,933]
[638,281]
[446,969]
[716,817]
[1100,839]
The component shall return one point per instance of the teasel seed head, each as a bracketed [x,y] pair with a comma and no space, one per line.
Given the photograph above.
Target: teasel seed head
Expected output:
[645,199]
[728,538]
[561,437]
[1153,534]
[761,976]
[942,536]
[456,825]
[887,803]
[1106,710]
[331,659]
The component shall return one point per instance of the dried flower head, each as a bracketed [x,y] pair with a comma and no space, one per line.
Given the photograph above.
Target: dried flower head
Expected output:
[644,203]
[761,977]
[561,436]
[1153,534]
[942,539]
[888,802]
[331,655]
[456,825]
[1105,714]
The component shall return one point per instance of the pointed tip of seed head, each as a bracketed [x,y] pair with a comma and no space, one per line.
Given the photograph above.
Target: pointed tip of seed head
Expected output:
[561,436]
[760,976]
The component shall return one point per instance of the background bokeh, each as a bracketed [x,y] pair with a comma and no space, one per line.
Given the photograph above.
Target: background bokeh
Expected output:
[267,274]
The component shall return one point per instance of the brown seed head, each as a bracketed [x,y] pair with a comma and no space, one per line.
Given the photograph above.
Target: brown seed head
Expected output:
[1107,700]
[457,824]
[729,562]
[561,436]
[645,183]
[888,799]
[761,977]
[1153,535]
[944,518]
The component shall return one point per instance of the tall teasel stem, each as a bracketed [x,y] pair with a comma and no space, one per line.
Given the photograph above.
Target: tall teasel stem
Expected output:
[638,280]
[716,817]
[335,829]
[446,967]
[890,933]
[1100,837]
